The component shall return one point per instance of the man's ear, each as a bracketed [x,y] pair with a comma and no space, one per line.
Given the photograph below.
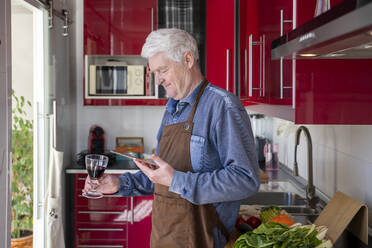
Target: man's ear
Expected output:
[189,60]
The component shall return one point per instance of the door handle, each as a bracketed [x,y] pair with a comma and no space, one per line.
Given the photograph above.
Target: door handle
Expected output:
[251,43]
[55,124]
[132,210]
[152,19]
[227,68]
[282,21]
[245,71]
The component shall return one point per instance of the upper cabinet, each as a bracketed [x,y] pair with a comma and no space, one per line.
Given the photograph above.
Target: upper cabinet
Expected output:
[114,33]
[220,46]
[327,91]
[117,27]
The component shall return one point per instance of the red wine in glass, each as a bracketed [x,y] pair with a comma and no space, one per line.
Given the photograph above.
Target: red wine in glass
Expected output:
[95,165]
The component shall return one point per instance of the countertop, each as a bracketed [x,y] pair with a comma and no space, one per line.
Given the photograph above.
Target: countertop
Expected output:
[118,167]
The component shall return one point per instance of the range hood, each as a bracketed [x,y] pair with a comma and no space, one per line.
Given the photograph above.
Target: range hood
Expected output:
[343,32]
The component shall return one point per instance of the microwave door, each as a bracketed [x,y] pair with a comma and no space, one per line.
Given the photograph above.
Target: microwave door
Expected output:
[120,80]
[105,79]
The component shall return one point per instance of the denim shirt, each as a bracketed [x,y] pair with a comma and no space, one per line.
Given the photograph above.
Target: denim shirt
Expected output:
[223,156]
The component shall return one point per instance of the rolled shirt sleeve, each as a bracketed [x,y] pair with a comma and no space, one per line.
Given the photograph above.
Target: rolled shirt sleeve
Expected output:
[135,184]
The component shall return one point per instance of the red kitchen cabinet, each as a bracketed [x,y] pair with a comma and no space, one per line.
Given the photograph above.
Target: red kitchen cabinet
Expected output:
[117,27]
[220,43]
[275,19]
[111,221]
[333,92]
[250,52]
[139,232]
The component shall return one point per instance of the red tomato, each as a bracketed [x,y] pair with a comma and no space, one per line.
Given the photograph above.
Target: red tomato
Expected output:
[239,221]
[253,221]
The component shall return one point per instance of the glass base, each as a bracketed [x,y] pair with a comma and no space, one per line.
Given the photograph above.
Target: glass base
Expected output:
[93,195]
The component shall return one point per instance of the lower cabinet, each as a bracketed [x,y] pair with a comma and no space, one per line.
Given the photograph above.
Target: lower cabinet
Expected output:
[111,221]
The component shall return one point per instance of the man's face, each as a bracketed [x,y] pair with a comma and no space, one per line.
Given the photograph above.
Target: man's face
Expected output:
[171,75]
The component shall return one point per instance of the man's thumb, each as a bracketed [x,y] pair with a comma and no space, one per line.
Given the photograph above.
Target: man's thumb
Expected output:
[158,160]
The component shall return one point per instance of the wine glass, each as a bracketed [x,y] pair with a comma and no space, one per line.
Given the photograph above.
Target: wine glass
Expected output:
[95,165]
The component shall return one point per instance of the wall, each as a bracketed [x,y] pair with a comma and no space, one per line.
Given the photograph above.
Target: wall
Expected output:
[342,157]
[117,121]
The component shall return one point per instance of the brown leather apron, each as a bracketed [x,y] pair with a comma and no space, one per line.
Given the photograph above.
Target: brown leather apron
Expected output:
[177,222]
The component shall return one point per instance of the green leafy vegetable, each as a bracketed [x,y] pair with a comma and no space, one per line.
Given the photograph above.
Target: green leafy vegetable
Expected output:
[276,235]
[269,212]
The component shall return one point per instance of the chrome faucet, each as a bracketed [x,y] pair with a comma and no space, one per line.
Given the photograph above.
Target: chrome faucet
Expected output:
[312,200]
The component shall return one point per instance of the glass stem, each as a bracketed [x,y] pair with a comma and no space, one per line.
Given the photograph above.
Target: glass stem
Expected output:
[95,184]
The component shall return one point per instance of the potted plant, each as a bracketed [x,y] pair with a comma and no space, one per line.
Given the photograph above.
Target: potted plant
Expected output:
[22,174]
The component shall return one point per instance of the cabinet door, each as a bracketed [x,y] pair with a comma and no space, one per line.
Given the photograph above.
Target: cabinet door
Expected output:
[220,43]
[275,19]
[251,51]
[139,230]
[99,222]
[118,27]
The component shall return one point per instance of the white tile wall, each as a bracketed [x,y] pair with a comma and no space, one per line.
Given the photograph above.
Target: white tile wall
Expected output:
[342,157]
[135,121]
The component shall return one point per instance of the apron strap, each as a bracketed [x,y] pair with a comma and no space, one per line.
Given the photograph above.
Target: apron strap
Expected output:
[222,227]
[201,91]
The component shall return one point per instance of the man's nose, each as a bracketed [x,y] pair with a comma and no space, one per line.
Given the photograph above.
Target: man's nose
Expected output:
[159,80]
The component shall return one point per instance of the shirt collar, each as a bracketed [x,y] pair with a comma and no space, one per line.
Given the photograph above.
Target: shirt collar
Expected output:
[190,99]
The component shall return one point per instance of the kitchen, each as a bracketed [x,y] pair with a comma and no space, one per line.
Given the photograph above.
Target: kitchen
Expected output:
[337,114]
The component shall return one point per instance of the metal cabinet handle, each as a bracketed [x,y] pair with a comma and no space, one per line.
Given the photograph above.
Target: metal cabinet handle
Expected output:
[261,52]
[282,21]
[102,229]
[152,19]
[294,25]
[250,64]
[100,212]
[263,65]
[245,70]
[227,68]
[104,196]
[132,210]
[100,246]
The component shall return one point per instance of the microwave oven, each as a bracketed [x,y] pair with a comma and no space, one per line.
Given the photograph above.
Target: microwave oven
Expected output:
[116,79]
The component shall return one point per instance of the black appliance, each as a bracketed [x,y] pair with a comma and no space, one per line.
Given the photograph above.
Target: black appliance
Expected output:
[96,140]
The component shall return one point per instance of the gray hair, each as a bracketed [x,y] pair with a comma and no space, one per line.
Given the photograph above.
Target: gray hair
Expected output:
[174,42]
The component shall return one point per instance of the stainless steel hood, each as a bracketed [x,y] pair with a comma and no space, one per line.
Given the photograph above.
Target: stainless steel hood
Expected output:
[343,32]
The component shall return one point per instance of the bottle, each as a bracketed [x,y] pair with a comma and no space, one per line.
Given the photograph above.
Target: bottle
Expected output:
[275,158]
[268,156]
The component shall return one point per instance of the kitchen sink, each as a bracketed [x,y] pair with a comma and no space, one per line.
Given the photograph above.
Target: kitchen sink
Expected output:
[275,198]
[300,210]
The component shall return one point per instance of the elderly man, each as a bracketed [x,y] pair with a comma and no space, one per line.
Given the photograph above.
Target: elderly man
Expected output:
[205,155]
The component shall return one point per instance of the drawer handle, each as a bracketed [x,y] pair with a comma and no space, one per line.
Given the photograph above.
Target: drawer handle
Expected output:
[99,212]
[102,229]
[105,196]
[101,246]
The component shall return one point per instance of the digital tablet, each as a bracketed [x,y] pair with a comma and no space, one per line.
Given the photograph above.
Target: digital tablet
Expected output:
[148,163]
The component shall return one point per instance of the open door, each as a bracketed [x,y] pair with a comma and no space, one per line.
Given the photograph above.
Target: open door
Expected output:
[5,123]
[47,43]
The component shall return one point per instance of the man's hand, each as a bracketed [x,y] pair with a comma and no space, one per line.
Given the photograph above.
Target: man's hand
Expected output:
[162,175]
[108,184]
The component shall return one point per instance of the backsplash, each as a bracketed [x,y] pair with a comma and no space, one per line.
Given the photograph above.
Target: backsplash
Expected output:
[342,157]
[131,121]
